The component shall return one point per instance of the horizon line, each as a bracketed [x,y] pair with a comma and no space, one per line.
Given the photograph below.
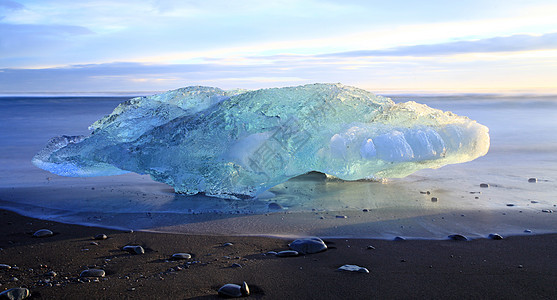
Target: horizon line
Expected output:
[544,91]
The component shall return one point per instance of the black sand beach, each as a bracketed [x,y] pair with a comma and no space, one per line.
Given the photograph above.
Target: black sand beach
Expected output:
[512,268]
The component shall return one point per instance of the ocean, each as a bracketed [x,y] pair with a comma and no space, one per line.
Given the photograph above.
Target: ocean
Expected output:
[523,146]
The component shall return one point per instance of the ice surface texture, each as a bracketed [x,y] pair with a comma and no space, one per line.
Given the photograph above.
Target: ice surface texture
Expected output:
[240,143]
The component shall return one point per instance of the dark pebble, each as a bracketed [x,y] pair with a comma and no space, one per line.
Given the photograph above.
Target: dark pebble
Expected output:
[15,294]
[287,253]
[458,237]
[433,199]
[308,245]
[51,274]
[101,236]
[92,273]
[484,185]
[370,247]
[532,180]
[178,256]
[399,238]
[495,236]
[43,233]
[234,290]
[134,249]
[245,289]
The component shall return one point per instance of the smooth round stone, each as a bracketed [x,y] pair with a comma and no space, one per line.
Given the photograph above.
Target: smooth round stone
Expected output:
[5,267]
[181,256]
[92,273]
[134,249]
[43,233]
[495,236]
[245,289]
[308,245]
[51,274]
[101,236]
[353,268]
[532,180]
[484,185]
[234,290]
[15,294]
[287,253]
[458,237]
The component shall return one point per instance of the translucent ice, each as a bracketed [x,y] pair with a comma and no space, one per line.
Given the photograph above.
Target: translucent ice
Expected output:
[240,143]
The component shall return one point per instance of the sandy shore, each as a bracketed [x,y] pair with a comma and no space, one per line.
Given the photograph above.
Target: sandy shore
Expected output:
[515,267]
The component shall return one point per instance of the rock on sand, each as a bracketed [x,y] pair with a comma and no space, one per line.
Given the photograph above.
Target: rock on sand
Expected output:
[15,294]
[308,245]
[234,290]
[353,268]
[458,237]
[101,236]
[92,273]
[134,249]
[177,256]
[287,253]
[43,233]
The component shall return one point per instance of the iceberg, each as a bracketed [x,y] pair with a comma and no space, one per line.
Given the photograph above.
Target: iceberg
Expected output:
[239,143]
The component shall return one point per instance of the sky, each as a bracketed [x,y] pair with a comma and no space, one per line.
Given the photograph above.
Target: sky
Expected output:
[65,46]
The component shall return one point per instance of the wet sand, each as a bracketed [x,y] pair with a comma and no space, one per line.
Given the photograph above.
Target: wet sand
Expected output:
[516,267]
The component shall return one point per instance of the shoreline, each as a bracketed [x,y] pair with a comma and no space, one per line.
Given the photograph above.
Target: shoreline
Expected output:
[512,268]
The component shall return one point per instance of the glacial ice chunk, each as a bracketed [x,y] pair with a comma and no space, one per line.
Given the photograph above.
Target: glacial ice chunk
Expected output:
[241,143]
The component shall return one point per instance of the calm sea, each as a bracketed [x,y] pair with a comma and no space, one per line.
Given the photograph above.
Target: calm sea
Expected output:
[523,145]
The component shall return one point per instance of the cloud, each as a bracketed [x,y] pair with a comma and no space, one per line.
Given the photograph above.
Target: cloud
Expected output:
[19,40]
[136,77]
[11,5]
[423,66]
[520,42]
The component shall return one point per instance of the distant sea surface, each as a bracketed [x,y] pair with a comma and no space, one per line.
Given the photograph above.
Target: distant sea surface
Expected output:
[523,145]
